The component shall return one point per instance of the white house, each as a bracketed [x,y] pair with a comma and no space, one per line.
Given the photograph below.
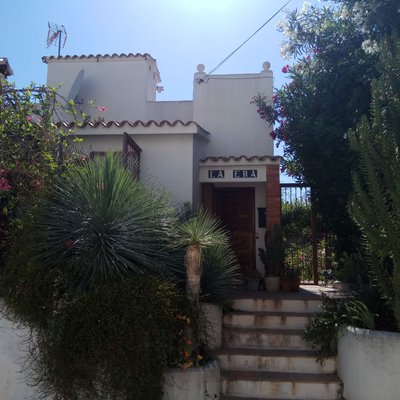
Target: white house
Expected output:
[213,150]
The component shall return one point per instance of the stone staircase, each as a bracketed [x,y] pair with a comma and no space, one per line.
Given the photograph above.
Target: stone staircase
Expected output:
[264,356]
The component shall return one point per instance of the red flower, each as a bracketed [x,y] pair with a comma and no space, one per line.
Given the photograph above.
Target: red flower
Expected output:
[102,108]
[273,135]
[4,184]
[69,244]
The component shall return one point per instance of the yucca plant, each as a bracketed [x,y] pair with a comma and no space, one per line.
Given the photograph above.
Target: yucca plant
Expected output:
[196,234]
[99,222]
[221,273]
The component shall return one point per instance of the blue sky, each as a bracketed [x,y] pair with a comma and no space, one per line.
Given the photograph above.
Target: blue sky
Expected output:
[180,34]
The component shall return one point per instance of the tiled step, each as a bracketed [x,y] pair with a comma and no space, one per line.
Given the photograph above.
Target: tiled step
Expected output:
[274,361]
[279,386]
[310,305]
[264,355]
[252,398]
[264,339]
[267,319]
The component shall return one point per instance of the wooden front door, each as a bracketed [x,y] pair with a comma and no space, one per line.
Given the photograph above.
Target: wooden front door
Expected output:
[235,208]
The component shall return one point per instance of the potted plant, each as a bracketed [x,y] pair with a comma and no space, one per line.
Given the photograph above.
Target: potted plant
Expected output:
[290,279]
[253,280]
[273,257]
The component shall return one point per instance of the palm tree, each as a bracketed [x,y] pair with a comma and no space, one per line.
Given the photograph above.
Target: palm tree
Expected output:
[199,232]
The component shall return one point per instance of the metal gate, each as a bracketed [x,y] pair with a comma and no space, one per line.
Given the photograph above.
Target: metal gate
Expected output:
[308,247]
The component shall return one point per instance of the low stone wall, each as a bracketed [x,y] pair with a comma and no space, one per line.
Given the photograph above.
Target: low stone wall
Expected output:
[368,364]
[192,383]
[213,317]
[12,380]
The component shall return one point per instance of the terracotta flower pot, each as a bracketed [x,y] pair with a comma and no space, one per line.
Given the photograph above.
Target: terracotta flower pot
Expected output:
[272,283]
[286,285]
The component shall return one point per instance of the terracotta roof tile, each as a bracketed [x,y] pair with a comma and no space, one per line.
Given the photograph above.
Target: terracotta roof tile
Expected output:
[120,124]
[241,158]
[45,59]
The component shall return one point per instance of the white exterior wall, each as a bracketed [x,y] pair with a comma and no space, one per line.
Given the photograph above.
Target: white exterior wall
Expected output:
[201,383]
[123,84]
[221,105]
[166,158]
[170,111]
[368,364]
[199,153]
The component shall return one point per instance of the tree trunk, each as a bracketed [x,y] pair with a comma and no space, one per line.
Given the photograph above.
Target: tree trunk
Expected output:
[193,273]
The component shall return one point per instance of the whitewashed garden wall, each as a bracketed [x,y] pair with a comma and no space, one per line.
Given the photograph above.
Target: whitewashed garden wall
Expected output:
[368,364]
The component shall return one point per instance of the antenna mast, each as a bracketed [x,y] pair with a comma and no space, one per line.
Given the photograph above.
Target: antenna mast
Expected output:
[56,32]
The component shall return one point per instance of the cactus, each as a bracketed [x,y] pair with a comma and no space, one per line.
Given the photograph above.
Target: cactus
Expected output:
[273,256]
[375,204]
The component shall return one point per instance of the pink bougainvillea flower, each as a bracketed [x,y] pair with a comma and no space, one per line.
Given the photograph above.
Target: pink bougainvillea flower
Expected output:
[4,184]
[285,69]
[102,108]
[33,118]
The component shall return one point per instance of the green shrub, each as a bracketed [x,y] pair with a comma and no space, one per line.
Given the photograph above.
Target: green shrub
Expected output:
[32,149]
[112,343]
[323,330]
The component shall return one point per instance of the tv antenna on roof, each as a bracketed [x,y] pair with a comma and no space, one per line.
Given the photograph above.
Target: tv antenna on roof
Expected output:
[56,32]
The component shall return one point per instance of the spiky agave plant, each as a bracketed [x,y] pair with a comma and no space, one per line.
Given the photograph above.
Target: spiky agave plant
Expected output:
[99,222]
[199,232]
